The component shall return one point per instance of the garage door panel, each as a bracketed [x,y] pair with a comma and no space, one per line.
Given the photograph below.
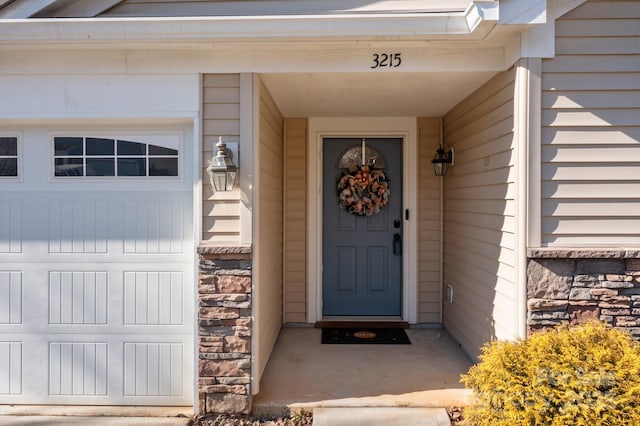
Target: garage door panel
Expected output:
[116,369]
[146,365]
[97,285]
[78,368]
[154,226]
[77,226]
[142,299]
[10,297]
[10,227]
[84,225]
[142,226]
[153,298]
[78,297]
[10,367]
[96,299]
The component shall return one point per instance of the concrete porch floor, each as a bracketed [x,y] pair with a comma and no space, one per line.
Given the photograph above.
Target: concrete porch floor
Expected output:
[302,373]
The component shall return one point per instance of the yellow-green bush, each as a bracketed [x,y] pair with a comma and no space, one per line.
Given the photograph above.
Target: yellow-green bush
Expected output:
[587,375]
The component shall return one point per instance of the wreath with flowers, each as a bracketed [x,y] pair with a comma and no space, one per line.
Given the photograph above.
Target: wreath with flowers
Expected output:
[363,191]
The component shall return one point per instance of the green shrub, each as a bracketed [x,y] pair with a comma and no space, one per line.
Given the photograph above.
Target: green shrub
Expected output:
[587,375]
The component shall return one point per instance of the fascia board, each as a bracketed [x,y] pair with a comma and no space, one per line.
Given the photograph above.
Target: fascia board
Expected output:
[211,29]
[517,12]
[481,17]
[481,11]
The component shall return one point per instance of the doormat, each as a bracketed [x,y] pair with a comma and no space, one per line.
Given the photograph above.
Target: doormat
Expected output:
[366,336]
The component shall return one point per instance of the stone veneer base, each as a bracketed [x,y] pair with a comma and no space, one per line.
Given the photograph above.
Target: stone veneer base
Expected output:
[563,285]
[224,329]
[577,285]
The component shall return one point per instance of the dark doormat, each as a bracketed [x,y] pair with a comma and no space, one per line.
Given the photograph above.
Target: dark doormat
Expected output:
[366,336]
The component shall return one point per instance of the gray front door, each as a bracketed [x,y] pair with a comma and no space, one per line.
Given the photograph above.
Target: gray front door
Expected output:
[362,254]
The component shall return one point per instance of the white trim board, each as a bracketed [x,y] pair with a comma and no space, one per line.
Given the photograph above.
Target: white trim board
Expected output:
[474,23]
[402,127]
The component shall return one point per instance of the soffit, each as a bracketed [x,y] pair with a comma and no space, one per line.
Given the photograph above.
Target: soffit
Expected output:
[371,95]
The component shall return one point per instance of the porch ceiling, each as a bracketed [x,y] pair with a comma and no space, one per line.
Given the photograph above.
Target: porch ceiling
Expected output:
[428,94]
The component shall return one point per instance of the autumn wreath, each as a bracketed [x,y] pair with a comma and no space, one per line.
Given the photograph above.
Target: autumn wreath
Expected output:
[363,191]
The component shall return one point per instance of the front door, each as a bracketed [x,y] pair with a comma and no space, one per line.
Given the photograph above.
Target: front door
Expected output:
[362,227]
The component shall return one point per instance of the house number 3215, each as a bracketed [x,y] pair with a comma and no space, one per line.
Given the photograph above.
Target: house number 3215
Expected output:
[388,60]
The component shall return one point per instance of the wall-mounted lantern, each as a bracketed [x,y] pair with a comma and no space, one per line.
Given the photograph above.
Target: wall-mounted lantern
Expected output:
[442,160]
[222,172]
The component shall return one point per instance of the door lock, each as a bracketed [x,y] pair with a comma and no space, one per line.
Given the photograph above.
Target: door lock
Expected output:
[397,244]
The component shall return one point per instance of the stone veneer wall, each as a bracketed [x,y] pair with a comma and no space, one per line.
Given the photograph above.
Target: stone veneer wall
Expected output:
[224,330]
[577,285]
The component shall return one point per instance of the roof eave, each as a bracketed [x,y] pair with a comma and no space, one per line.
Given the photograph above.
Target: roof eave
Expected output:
[473,24]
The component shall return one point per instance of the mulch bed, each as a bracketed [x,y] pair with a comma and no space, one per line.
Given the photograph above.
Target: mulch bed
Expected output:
[303,419]
[456,415]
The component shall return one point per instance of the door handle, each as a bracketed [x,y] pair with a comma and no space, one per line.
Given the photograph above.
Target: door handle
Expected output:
[397,244]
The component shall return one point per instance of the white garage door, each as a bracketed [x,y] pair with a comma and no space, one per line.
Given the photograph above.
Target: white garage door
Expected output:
[96,269]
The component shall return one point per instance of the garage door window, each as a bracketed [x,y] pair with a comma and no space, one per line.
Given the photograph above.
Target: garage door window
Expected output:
[8,156]
[110,157]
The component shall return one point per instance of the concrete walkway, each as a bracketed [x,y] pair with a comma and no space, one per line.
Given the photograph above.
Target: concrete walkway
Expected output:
[380,416]
[304,374]
[344,385]
[72,415]
[98,421]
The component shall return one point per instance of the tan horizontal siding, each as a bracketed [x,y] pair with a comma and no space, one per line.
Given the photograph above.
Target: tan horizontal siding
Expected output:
[295,227]
[221,106]
[623,9]
[482,206]
[269,227]
[226,91]
[597,100]
[610,153]
[598,226]
[220,224]
[479,222]
[497,124]
[584,135]
[596,191]
[578,208]
[600,63]
[468,109]
[587,240]
[596,46]
[579,172]
[592,117]
[591,128]
[221,208]
[221,111]
[429,306]
[597,27]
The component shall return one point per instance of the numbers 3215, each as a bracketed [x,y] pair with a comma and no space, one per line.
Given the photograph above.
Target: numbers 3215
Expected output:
[388,60]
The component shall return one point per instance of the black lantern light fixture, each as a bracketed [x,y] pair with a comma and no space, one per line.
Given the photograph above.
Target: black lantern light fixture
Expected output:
[222,171]
[442,160]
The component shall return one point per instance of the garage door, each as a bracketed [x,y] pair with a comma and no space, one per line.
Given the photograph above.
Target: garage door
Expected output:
[96,269]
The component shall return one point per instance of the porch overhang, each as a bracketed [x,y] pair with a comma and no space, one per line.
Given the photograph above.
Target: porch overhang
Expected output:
[327,57]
